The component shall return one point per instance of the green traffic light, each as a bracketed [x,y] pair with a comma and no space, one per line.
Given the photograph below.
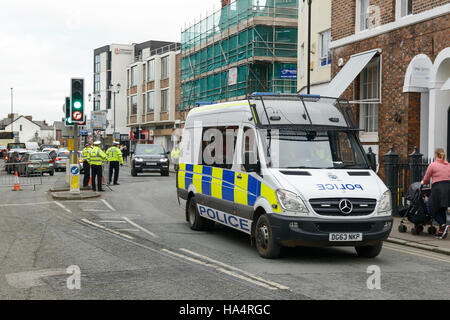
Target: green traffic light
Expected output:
[77,105]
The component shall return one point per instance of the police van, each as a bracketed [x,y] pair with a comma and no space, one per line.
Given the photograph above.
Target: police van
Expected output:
[289,170]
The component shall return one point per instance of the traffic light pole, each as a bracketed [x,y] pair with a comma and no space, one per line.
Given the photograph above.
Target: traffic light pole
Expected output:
[75,143]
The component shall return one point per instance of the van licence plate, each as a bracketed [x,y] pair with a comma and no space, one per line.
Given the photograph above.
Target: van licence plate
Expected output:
[345,237]
[151,163]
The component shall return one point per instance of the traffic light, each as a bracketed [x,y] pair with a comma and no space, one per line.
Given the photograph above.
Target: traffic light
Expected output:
[77,100]
[68,116]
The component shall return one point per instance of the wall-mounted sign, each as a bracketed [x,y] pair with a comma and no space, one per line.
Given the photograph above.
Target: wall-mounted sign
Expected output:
[288,74]
[232,76]
[123,51]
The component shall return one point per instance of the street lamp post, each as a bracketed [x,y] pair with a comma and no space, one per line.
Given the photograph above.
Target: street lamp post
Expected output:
[94,97]
[114,89]
[309,48]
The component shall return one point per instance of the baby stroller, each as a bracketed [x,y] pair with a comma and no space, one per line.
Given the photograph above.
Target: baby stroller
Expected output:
[417,211]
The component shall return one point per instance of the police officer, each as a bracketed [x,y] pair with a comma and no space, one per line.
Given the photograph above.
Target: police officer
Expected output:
[115,158]
[175,155]
[96,158]
[87,169]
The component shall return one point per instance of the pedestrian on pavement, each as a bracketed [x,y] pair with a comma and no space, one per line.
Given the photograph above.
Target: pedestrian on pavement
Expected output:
[115,159]
[175,155]
[86,167]
[439,173]
[124,150]
[96,158]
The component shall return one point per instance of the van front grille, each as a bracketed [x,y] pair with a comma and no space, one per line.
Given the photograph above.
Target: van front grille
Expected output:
[330,207]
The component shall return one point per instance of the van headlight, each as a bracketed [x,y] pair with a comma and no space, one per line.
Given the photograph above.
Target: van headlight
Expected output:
[385,204]
[290,201]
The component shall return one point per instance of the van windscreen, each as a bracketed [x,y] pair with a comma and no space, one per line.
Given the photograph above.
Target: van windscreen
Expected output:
[331,149]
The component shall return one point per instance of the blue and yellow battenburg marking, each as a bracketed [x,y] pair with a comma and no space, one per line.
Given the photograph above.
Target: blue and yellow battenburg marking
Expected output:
[225,184]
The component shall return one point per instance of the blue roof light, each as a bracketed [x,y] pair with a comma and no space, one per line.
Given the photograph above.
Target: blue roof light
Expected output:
[311,96]
[204,103]
[265,94]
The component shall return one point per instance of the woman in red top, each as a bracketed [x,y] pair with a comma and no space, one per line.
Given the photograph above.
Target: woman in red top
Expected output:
[439,173]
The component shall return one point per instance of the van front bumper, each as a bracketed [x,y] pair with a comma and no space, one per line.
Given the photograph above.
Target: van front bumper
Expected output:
[315,232]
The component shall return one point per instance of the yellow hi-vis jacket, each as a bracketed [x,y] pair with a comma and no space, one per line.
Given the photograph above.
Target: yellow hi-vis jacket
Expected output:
[175,155]
[114,154]
[96,156]
[86,153]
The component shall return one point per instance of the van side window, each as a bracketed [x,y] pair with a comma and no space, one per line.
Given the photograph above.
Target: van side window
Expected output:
[249,150]
[218,146]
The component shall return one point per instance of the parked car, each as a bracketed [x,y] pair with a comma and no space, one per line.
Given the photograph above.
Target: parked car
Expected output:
[49,146]
[12,157]
[36,162]
[149,157]
[15,145]
[3,151]
[32,146]
[61,160]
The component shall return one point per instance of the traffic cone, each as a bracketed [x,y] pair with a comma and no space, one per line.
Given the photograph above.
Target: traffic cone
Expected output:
[16,183]
[90,181]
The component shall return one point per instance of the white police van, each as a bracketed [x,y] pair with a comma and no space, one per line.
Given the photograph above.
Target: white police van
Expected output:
[288,170]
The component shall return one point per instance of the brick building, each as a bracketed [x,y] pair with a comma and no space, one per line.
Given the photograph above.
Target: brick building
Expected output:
[395,61]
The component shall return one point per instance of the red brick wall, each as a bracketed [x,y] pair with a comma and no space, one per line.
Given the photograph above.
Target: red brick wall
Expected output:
[225,2]
[343,14]
[342,18]
[399,47]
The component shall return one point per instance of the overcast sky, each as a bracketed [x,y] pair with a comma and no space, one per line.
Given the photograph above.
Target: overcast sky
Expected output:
[43,43]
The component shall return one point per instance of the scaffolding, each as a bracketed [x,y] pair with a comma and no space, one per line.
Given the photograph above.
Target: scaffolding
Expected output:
[246,46]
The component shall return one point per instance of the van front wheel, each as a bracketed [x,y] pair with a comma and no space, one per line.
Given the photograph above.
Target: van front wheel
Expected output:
[369,251]
[265,242]
[197,222]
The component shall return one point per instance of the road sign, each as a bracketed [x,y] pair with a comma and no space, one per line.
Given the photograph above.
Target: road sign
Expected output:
[74,178]
[83,132]
[77,115]
[98,120]
[70,144]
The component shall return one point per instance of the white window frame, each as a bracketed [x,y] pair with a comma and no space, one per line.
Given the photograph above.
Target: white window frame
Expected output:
[165,107]
[164,67]
[359,15]
[150,101]
[327,35]
[133,76]
[132,105]
[370,103]
[399,6]
[151,70]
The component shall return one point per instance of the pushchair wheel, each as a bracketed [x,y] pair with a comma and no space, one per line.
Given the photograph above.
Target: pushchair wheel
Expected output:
[415,230]
[432,230]
[420,228]
[402,228]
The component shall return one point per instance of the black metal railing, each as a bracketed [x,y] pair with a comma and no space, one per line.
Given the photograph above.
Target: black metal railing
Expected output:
[400,174]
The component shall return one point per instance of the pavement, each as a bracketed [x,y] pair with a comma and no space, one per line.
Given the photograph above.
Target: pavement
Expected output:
[423,241]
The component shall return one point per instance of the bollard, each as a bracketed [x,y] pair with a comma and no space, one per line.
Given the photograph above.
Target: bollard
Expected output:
[391,171]
[415,167]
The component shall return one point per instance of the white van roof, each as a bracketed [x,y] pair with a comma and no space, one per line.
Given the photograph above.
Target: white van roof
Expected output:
[276,110]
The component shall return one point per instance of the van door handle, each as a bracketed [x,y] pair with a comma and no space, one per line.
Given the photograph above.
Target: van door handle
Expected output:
[239,176]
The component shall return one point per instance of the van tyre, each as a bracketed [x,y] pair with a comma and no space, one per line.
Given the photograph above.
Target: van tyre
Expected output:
[369,251]
[197,222]
[165,173]
[265,242]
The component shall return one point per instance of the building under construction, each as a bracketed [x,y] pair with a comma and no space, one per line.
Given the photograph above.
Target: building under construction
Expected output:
[247,46]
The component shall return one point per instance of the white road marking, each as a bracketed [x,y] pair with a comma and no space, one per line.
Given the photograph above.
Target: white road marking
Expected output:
[107,229]
[29,279]
[112,221]
[231,273]
[129,230]
[279,286]
[63,206]
[139,227]
[24,204]
[108,205]
[410,250]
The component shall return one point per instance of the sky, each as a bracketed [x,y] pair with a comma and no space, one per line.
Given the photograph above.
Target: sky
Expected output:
[44,43]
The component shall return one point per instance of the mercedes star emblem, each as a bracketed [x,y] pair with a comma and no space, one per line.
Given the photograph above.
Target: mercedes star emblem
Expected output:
[345,206]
